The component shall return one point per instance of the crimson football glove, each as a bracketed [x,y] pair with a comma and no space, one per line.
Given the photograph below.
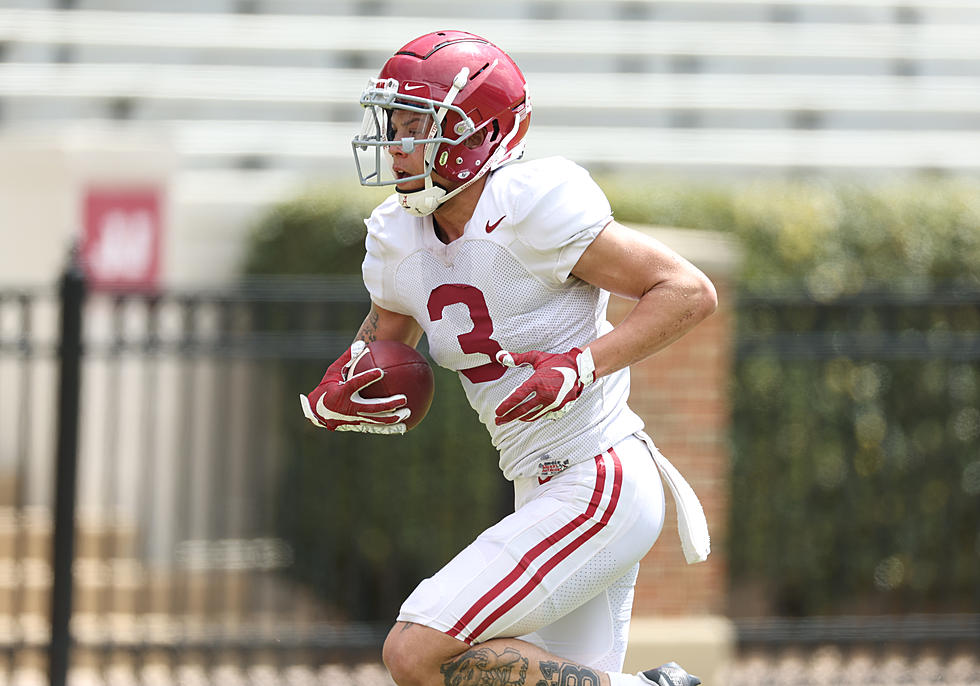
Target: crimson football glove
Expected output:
[558,380]
[336,403]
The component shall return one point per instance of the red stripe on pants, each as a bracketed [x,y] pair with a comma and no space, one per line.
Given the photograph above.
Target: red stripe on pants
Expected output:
[537,576]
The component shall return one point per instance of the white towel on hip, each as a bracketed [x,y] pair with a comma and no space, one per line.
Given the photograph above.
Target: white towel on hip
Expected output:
[691,523]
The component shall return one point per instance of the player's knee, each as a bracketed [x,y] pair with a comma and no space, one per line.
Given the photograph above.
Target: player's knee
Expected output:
[404,664]
[414,654]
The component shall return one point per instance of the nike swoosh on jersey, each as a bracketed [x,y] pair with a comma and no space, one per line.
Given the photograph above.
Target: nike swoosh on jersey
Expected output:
[491,227]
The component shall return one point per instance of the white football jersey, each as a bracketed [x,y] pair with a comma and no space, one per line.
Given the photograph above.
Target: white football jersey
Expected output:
[506,284]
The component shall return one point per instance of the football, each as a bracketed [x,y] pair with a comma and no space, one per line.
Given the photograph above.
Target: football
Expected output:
[406,371]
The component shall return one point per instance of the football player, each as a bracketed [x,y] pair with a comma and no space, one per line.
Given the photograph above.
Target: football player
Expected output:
[507,267]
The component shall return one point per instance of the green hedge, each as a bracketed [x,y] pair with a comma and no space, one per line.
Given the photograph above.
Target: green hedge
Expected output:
[856,388]
[320,232]
[856,429]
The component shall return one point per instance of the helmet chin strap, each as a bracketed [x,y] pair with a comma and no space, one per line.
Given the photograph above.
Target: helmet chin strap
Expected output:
[425,201]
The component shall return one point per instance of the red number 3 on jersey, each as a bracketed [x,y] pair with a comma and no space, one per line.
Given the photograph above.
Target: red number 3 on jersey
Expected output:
[477,339]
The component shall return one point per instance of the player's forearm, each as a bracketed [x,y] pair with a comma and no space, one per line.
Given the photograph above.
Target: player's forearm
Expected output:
[661,316]
[384,325]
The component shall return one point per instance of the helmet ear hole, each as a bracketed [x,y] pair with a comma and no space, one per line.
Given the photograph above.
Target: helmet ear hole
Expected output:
[476,140]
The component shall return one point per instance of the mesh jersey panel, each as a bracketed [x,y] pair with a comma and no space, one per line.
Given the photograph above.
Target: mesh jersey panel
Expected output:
[499,289]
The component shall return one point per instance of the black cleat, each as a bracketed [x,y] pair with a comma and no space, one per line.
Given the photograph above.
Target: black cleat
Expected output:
[670,674]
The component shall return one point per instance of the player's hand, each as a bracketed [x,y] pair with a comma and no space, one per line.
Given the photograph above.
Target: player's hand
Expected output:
[336,403]
[557,381]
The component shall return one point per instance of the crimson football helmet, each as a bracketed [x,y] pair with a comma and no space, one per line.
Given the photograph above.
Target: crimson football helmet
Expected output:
[473,102]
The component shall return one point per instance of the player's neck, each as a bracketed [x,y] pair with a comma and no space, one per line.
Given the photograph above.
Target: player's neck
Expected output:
[450,219]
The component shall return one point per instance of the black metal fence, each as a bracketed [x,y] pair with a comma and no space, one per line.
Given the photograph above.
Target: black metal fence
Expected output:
[166,506]
[856,478]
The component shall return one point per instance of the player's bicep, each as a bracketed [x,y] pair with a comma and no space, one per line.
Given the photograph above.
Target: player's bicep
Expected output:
[629,263]
[384,325]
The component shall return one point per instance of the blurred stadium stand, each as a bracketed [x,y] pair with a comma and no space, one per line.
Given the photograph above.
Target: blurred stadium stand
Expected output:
[266,90]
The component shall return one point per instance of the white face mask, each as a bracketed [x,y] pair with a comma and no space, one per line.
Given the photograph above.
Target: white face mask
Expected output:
[381,100]
[372,145]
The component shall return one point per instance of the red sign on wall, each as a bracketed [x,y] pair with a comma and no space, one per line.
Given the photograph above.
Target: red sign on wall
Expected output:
[121,238]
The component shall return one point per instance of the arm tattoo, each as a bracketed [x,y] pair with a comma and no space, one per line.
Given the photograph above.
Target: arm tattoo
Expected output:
[567,674]
[484,667]
[369,329]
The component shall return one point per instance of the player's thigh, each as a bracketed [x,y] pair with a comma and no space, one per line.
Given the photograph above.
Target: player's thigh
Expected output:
[570,539]
[443,600]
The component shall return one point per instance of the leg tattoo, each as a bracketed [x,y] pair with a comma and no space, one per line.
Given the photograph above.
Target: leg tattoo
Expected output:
[567,674]
[484,667]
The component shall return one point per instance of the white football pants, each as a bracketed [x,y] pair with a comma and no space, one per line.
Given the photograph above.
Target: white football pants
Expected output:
[558,572]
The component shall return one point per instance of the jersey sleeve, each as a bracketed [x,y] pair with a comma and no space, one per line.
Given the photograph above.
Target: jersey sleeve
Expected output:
[380,259]
[561,211]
